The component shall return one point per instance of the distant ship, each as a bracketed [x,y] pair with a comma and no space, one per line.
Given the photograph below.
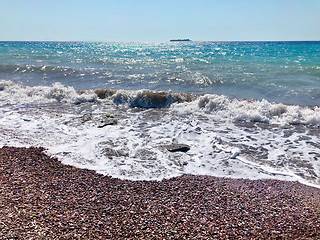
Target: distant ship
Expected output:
[180,40]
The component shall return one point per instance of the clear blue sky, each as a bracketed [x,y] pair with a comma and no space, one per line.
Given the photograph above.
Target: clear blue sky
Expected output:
[159,20]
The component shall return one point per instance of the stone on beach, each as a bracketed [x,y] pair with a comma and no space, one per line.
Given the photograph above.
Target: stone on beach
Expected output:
[175,147]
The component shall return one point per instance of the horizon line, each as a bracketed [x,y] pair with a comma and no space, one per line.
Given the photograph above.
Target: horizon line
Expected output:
[129,41]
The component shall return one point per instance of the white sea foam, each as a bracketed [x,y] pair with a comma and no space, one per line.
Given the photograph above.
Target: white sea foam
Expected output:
[227,137]
[14,93]
[219,106]
[223,108]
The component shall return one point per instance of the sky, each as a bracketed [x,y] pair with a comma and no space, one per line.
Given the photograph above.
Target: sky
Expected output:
[159,20]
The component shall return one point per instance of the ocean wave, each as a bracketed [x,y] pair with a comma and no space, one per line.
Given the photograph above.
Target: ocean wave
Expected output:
[218,107]
[146,98]
[222,108]
[60,93]
[15,93]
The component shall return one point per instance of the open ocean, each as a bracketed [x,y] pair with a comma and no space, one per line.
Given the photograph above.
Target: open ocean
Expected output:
[245,109]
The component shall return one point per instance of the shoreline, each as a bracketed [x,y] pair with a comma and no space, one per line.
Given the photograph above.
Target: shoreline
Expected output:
[41,198]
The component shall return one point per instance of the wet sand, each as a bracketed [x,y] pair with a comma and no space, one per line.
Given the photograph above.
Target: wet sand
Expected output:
[40,198]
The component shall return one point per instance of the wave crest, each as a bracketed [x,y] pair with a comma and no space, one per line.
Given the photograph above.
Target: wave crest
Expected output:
[15,93]
[219,107]
[223,108]
[145,98]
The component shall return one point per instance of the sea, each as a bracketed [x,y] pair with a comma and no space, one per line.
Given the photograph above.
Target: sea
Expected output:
[238,109]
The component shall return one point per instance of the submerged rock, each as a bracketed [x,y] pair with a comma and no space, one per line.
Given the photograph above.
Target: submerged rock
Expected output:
[175,147]
[100,120]
[107,122]
[109,152]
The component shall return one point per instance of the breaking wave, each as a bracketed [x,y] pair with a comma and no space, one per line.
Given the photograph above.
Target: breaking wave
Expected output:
[219,107]
[145,98]
[13,93]
[223,108]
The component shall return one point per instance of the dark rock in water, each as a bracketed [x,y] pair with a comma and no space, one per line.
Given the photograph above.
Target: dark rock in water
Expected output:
[177,147]
[107,122]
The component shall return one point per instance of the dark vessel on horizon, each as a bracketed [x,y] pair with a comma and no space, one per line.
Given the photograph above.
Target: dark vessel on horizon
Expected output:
[180,40]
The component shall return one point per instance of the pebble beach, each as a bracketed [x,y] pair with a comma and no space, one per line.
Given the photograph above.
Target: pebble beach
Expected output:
[40,198]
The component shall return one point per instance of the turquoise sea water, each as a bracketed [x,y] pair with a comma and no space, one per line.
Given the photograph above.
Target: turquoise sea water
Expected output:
[245,109]
[287,72]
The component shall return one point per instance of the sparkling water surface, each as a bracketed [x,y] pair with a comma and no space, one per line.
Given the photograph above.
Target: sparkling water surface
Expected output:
[287,72]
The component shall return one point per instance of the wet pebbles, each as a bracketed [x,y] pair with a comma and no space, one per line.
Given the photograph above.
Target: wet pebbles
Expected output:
[42,199]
